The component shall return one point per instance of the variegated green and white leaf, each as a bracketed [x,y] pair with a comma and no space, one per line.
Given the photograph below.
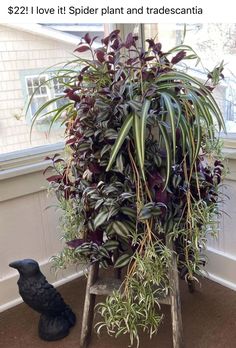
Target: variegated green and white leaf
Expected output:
[111,245]
[122,261]
[137,140]
[100,219]
[110,134]
[135,105]
[143,118]
[171,115]
[121,229]
[119,163]
[129,211]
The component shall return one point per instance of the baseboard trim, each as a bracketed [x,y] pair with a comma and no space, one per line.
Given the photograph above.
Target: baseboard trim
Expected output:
[221,267]
[222,281]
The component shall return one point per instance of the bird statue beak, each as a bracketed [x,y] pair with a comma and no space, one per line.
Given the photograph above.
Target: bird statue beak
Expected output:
[14,264]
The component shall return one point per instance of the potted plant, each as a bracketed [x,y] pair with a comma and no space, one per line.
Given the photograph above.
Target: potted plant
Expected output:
[138,133]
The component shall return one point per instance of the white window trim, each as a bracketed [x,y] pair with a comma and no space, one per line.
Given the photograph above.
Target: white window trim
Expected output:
[27,161]
[30,160]
[51,92]
[47,95]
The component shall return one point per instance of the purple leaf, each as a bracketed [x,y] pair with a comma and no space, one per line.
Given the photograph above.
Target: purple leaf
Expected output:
[71,141]
[84,69]
[179,56]
[93,39]
[100,56]
[82,48]
[150,42]
[147,59]
[54,178]
[156,184]
[75,243]
[87,38]
[94,168]
[70,93]
[115,45]
[218,163]
[114,34]
[157,48]
[106,40]
[48,168]
[129,40]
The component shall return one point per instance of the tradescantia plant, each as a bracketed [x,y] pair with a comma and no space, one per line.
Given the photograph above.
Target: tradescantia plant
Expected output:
[136,174]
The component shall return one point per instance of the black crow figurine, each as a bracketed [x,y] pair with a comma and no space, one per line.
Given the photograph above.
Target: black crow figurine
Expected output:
[56,316]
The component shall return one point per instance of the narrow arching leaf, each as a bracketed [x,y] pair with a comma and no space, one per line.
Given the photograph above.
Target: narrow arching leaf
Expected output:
[183,137]
[186,48]
[42,108]
[187,137]
[198,106]
[171,114]
[120,139]
[144,115]
[208,120]
[197,86]
[168,152]
[58,114]
[135,104]
[137,140]
[198,137]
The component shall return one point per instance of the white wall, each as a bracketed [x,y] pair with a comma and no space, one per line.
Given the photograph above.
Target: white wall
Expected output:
[27,228]
[222,251]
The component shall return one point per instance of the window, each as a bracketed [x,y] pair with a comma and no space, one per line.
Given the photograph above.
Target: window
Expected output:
[213,42]
[42,88]
[58,88]
[36,85]
[26,51]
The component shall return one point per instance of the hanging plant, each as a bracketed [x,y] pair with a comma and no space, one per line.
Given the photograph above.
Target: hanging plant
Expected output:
[136,174]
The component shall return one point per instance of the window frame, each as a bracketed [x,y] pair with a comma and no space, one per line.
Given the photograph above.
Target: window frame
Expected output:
[28,160]
[51,92]
[48,95]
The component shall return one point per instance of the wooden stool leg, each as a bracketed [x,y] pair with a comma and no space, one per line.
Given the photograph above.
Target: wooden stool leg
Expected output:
[177,327]
[89,303]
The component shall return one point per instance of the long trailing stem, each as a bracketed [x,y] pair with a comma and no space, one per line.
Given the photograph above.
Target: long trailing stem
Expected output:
[122,190]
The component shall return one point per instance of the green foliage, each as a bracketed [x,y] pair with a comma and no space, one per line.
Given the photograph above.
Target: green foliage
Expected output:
[138,136]
[135,307]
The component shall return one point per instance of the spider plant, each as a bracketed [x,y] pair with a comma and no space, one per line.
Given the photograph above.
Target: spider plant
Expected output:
[135,174]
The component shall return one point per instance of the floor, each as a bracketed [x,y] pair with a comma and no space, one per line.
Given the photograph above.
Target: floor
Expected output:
[209,320]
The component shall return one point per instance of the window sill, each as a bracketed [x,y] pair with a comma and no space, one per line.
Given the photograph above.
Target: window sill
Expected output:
[229,153]
[27,161]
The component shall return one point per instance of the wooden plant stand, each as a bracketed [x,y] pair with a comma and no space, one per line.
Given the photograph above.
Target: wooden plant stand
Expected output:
[96,286]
